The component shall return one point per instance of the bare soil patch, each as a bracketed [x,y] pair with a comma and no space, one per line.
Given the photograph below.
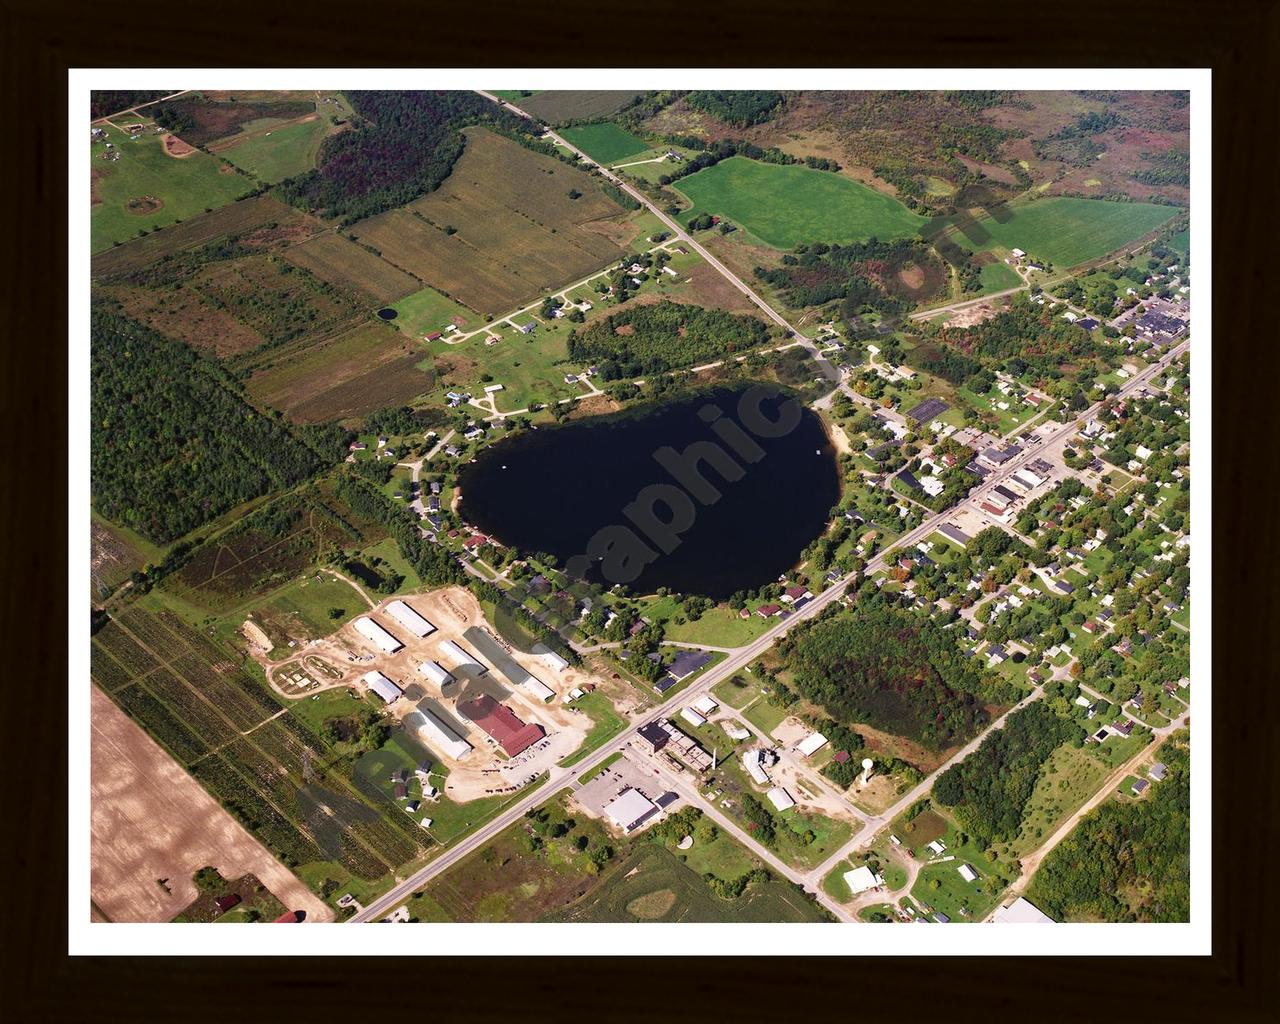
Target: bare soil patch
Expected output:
[151,821]
[144,205]
[175,147]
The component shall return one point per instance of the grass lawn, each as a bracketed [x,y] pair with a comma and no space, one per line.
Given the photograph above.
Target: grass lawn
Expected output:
[737,691]
[764,716]
[606,723]
[530,367]
[588,776]
[389,551]
[952,894]
[786,205]
[167,189]
[605,143]
[1064,230]
[283,152]
[311,599]
[996,277]
[428,311]
[515,95]
[719,627]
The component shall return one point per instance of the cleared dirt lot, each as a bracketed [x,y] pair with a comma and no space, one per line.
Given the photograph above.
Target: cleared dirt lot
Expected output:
[151,820]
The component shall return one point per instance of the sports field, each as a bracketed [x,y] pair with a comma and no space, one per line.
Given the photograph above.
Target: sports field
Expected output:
[146,188]
[605,143]
[494,246]
[1064,230]
[785,206]
[427,311]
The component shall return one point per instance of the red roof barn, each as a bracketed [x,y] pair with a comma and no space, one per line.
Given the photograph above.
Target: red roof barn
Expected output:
[500,722]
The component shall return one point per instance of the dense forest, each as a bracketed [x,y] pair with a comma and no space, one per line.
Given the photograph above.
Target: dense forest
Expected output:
[892,669]
[406,149]
[111,101]
[1126,861]
[863,274]
[990,788]
[743,107]
[664,336]
[434,565]
[173,443]
[199,121]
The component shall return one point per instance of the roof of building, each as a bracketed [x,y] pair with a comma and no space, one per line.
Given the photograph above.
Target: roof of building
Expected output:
[630,809]
[503,724]
[376,635]
[780,798]
[654,733]
[404,614]
[382,686]
[811,744]
[436,673]
[1021,911]
[967,873]
[687,662]
[437,732]
[860,880]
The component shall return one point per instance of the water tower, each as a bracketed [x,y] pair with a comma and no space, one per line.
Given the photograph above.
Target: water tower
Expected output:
[867,765]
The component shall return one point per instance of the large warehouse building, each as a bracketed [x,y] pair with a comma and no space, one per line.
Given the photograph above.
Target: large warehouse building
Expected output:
[411,620]
[437,674]
[377,636]
[382,686]
[460,656]
[503,724]
[437,733]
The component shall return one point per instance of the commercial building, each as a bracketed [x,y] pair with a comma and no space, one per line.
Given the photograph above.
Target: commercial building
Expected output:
[705,705]
[383,686]
[437,733]
[411,620]
[502,724]
[377,636]
[437,674]
[630,809]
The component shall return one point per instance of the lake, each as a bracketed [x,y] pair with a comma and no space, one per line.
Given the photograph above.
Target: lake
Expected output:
[708,494]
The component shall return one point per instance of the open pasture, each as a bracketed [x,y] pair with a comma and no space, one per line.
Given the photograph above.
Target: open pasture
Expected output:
[1061,229]
[145,188]
[428,312]
[502,228]
[785,206]
[605,142]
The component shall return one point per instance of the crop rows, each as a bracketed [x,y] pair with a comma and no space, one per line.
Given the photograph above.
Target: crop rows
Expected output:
[356,859]
[267,776]
[105,670]
[151,631]
[125,650]
[279,834]
[186,703]
[160,723]
[283,744]
[225,695]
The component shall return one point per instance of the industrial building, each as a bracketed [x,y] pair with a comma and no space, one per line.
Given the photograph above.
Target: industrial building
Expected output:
[554,660]
[1021,911]
[411,620]
[460,656]
[630,810]
[437,733]
[383,686]
[377,636]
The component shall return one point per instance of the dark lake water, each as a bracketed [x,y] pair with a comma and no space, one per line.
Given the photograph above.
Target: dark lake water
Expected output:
[554,489]
[387,313]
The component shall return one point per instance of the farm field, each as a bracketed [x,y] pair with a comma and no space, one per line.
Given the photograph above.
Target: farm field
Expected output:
[516,231]
[559,105]
[1064,230]
[337,260]
[151,820]
[427,311]
[606,143]
[240,219]
[996,277]
[161,189]
[785,206]
[368,367]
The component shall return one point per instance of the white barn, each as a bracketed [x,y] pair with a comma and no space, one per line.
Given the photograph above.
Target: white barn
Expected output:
[539,690]
[404,614]
[861,879]
[437,733]
[780,798]
[460,656]
[382,686]
[1021,911]
[436,673]
[549,656]
[811,744]
[377,636]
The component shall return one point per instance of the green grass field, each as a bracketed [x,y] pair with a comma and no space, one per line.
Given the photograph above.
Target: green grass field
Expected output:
[428,311]
[605,143]
[282,153]
[605,723]
[1064,230]
[784,206]
[184,188]
[996,277]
